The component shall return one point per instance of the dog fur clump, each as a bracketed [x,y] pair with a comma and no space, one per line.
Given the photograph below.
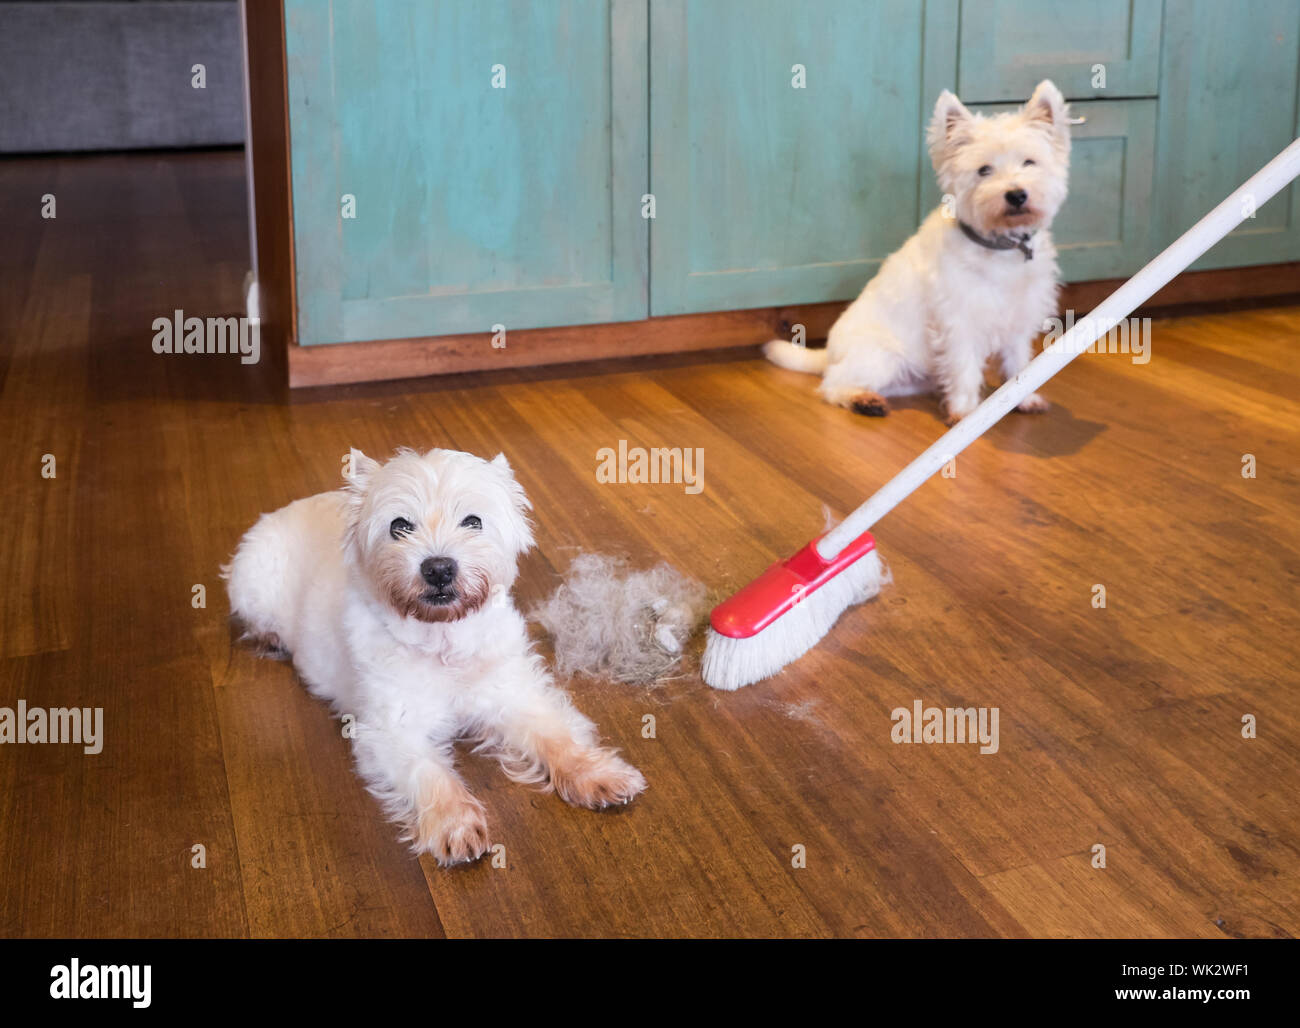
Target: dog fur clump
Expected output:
[628,626]
[392,596]
[977,279]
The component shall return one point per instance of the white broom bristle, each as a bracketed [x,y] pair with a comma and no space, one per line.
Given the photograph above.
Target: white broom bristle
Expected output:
[732,663]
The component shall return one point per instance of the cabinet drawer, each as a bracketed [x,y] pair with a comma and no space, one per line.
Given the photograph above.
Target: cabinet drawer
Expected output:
[1104,228]
[1006,47]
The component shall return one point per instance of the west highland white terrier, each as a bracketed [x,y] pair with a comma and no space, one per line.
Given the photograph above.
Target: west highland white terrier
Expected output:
[979,277]
[391,595]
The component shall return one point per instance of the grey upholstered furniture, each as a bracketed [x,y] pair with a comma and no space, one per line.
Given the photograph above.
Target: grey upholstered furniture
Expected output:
[119,75]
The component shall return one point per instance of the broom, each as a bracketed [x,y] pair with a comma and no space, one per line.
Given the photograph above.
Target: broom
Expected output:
[786,611]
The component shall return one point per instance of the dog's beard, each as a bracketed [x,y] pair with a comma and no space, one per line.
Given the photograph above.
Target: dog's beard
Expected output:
[987,211]
[992,216]
[410,596]
[1020,219]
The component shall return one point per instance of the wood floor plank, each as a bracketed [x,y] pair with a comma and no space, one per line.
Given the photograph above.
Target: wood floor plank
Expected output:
[46,357]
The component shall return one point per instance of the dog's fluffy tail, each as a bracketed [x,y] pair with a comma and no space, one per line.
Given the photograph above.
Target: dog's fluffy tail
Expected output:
[256,583]
[795,358]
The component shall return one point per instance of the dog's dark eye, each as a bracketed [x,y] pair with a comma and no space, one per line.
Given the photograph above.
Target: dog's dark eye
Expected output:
[986,169]
[472,521]
[400,527]
[1029,161]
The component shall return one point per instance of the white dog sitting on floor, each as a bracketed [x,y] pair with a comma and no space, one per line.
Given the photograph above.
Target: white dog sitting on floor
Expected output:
[392,597]
[978,278]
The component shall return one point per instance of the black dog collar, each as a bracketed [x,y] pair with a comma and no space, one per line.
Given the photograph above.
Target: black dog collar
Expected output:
[1020,243]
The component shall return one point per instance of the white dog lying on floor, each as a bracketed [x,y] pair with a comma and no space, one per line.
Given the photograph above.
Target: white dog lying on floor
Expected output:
[392,597]
[978,278]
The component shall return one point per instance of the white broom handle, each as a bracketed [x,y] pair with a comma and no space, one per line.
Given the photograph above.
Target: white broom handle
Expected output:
[1260,187]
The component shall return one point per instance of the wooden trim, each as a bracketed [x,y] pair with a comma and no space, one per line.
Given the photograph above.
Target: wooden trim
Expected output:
[440,355]
[1216,286]
[268,98]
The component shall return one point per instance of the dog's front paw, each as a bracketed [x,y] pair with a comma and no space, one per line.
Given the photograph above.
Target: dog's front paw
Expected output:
[1034,404]
[454,833]
[959,408]
[596,778]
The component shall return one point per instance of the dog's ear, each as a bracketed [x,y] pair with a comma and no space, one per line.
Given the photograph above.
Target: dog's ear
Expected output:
[520,525]
[518,498]
[949,127]
[357,470]
[1046,109]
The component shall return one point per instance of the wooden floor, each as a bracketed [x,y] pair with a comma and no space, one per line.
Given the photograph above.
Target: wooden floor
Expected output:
[1119,727]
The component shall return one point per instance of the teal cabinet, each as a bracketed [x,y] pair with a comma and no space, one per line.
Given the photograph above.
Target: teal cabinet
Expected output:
[784,155]
[1228,103]
[459,165]
[494,156]
[1101,48]
[1104,229]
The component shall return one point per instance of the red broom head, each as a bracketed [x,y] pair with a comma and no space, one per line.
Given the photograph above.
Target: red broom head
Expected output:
[781,587]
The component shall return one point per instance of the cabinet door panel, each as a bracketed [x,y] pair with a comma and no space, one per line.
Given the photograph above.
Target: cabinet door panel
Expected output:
[1228,104]
[765,193]
[1104,227]
[474,205]
[1009,46]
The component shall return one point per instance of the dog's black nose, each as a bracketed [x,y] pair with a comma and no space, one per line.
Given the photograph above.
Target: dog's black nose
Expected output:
[438,571]
[1016,197]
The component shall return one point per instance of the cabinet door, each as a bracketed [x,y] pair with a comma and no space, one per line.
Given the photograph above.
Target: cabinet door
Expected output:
[495,152]
[770,194]
[1104,227]
[1009,46]
[1228,104]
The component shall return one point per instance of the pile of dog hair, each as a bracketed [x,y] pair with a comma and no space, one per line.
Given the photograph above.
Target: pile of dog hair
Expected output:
[611,622]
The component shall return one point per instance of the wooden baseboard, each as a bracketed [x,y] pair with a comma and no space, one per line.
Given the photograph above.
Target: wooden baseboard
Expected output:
[440,355]
[1195,288]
